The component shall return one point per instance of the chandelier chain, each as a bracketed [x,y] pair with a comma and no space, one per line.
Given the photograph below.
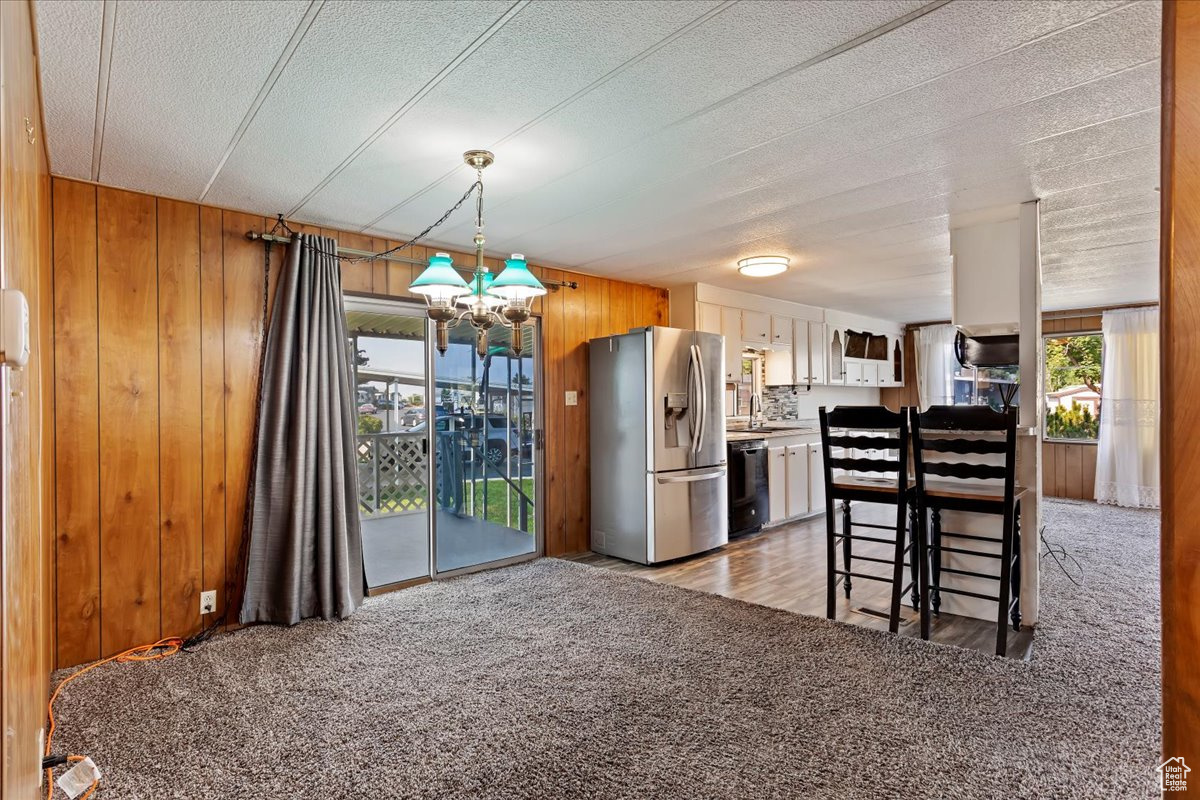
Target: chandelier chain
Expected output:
[477,185]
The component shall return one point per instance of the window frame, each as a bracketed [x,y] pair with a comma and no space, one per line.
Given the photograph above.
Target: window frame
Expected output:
[1042,359]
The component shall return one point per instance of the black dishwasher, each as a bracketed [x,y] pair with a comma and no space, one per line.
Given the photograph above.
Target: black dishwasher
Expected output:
[747,486]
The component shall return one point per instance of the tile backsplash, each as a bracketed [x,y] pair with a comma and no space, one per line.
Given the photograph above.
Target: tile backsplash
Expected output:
[802,402]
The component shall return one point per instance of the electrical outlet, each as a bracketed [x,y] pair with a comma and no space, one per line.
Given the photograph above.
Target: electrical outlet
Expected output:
[572,398]
[208,601]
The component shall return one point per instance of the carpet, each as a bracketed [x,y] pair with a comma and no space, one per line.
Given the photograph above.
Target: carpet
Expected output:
[559,680]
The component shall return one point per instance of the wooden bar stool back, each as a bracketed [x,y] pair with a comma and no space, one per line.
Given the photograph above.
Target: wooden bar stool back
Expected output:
[865,451]
[965,460]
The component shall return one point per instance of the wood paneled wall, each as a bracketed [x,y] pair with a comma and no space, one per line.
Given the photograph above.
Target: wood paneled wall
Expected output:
[1180,319]
[1069,469]
[159,312]
[26,629]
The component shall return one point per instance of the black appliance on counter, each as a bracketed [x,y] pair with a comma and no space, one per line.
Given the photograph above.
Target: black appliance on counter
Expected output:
[748,502]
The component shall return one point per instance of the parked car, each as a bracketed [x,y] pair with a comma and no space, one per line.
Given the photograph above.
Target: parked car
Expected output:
[502,442]
[367,408]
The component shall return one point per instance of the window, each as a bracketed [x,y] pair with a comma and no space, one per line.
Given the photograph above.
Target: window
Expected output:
[986,386]
[1072,379]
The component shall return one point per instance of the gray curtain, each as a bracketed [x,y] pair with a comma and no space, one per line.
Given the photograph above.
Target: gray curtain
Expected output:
[304,556]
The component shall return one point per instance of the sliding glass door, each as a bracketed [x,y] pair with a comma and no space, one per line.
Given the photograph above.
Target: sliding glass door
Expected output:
[447,463]
[388,343]
[485,462]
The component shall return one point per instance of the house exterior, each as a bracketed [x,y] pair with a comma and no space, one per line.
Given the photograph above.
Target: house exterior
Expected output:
[1074,396]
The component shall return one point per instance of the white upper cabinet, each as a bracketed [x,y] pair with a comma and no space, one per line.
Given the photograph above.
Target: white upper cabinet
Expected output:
[781,331]
[756,328]
[801,358]
[731,327]
[853,373]
[780,369]
[708,318]
[818,355]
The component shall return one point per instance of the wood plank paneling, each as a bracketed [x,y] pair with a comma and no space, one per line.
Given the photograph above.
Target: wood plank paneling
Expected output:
[1049,469]
[76,411]
[25,461]
[1074,471]
[243,317]
[181,366]
[126,254]
[1180,353]
[575,418]
[557,480]
[204,331]
[212,403]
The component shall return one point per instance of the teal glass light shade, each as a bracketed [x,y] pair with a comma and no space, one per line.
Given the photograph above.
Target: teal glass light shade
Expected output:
[479,286]
[440,281]
[516,282]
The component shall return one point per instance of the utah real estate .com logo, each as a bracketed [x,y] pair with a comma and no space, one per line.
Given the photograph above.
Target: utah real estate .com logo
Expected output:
[1172,775]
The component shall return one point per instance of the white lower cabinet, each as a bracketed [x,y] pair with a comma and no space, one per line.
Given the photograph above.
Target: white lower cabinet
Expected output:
[797,480]
[790,477]
[777,482]
[816,478]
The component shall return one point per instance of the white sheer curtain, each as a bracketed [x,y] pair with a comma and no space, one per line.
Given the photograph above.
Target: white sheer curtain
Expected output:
[935,365]
[1127,464]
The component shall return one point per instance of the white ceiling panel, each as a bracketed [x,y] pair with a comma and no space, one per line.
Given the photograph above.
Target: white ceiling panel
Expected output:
[927,48]
[657,141]
[958,153]
[543,57]
[69,55]
[729,53]
[188,72]
[358,65]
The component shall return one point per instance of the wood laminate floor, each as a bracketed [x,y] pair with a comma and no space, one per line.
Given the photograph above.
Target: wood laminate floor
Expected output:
[784,567]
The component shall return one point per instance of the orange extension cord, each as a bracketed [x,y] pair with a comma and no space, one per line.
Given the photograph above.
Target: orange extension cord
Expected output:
[147,652]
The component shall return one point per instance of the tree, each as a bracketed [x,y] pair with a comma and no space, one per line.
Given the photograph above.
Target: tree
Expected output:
[1074,360]
[1072,422]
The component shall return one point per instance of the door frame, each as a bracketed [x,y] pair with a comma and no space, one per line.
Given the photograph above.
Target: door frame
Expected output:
[412,308]
[538,461]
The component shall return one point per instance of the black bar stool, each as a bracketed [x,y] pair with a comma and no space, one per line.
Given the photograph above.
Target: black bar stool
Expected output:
[872,428]
[957,472]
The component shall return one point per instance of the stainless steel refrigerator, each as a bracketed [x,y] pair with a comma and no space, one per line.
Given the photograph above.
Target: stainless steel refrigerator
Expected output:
[656,400]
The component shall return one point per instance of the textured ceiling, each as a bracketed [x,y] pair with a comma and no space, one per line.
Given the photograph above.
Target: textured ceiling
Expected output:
[656,141]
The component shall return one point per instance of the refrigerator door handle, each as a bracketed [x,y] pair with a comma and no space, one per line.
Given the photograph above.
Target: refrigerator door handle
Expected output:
[691,477]
[699,356]
[696,419]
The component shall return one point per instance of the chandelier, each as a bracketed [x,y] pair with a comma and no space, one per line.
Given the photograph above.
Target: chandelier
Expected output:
[486,300]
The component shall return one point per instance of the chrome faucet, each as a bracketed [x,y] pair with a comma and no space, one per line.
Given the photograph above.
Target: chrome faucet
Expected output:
[755,409]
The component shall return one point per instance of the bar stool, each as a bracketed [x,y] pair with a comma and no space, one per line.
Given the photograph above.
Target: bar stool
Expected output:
[954,454]
[879,479]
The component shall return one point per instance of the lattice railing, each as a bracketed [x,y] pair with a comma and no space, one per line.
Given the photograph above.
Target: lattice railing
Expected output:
[391,473]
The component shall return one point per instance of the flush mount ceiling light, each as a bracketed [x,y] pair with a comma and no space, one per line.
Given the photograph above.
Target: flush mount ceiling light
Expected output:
[504,299]
[763,266]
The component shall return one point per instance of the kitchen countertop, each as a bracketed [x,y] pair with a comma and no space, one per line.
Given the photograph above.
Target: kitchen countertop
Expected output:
[738,432]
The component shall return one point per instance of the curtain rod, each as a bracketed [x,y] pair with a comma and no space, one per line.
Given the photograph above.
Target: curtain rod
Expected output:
[349,251]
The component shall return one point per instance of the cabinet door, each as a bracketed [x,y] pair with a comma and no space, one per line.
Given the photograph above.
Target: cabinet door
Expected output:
[780,369]
[870,374]
[708,318]
[816,478]
[731,327]
[818,351]
[777,482]
[835,349]
[801,359]
[756,328]
[854,373]
[797,480]
[781,331]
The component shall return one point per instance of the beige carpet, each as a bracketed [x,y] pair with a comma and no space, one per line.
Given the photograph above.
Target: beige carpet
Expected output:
[558,680]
